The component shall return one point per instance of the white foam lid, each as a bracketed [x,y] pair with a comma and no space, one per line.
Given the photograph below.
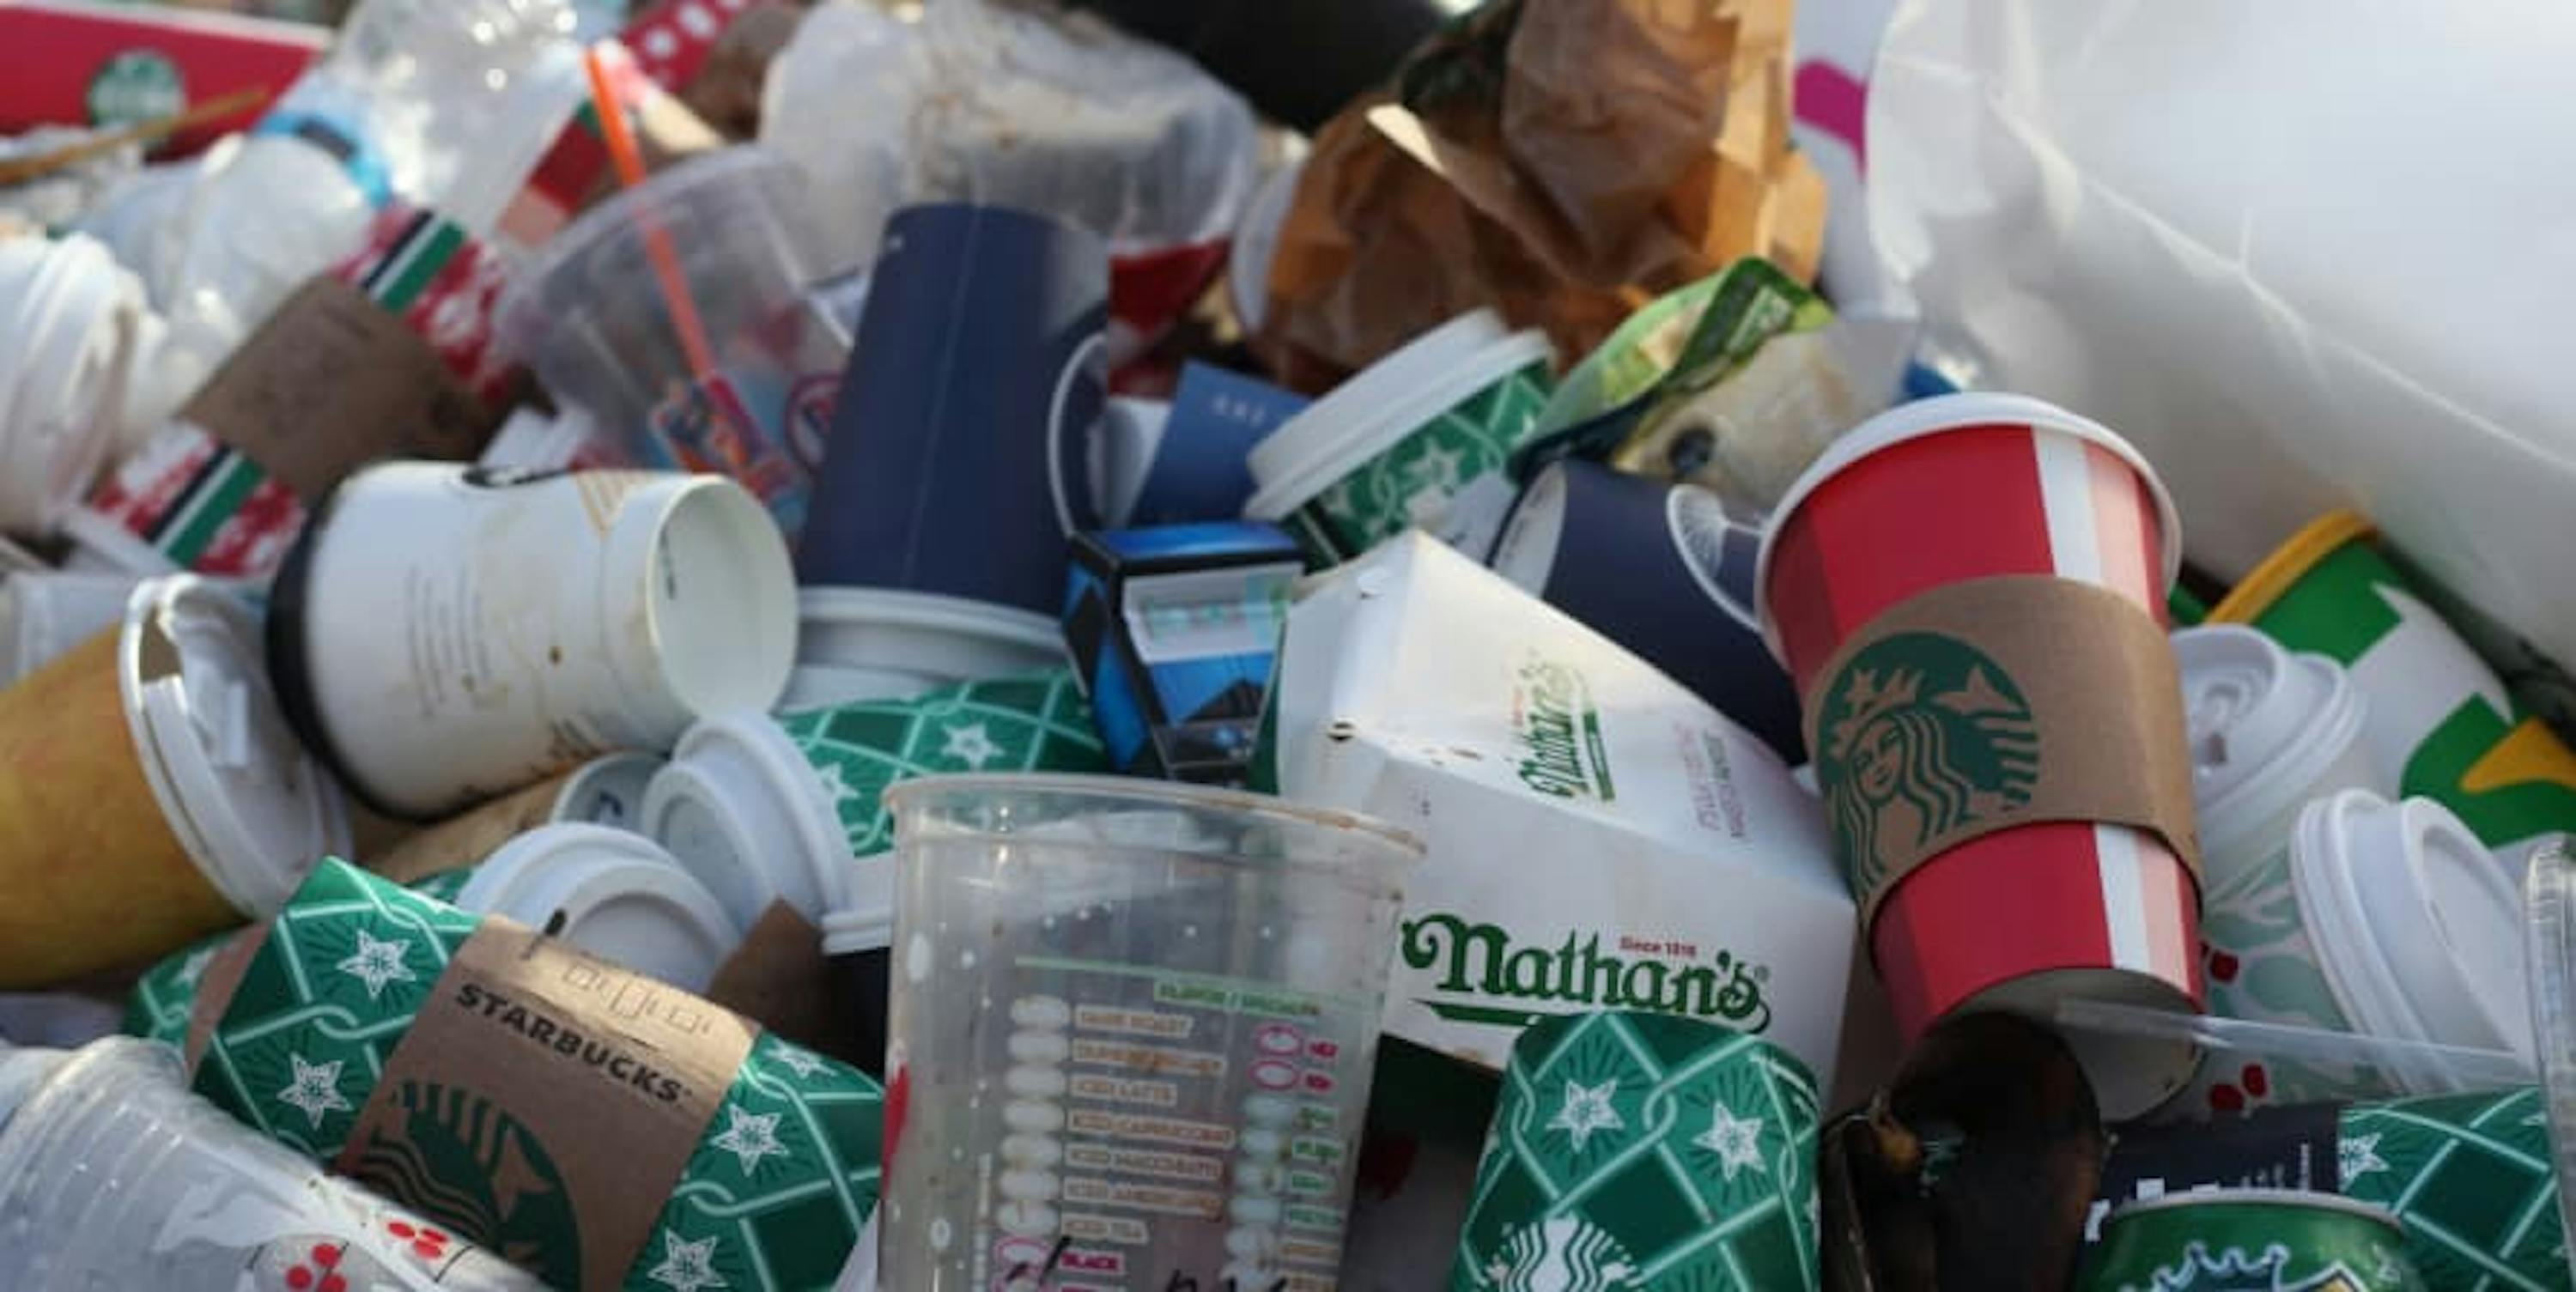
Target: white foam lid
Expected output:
[619,896]
[1925,417]
[1374,410]
[2417,926]
[253,809]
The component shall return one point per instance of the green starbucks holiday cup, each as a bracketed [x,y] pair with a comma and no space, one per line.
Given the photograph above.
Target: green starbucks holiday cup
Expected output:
[2230,1240]
[2439,718]
[1645,1151]
[597,1128]
[1422,437]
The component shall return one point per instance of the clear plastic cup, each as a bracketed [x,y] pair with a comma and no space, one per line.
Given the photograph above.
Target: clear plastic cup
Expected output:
[1132,1029]
[593,318]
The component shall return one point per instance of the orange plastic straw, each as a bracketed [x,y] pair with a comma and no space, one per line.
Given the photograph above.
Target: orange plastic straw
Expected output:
[657,241]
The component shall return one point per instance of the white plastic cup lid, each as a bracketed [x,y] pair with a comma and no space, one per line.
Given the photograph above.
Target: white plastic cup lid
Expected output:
[2264,724]
[740,809]
[614,894]
[2550,892]
[253,809]
[607,791]
[1932,416]
[2417,926]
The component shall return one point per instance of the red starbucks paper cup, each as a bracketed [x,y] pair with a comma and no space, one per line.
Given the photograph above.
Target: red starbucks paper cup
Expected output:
[1966,487]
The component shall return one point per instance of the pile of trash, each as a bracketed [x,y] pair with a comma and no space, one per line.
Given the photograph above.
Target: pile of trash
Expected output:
[784,646]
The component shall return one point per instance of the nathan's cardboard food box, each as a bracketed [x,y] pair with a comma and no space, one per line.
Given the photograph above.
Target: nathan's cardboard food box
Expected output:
[1599,837]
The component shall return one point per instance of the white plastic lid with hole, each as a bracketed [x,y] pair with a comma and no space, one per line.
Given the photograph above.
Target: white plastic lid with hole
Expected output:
[607,790]
[2417,927]
[252,808]
[1927,417]
[61,377]
[1320,450]
[740,809]
[618,896]
[2269,731]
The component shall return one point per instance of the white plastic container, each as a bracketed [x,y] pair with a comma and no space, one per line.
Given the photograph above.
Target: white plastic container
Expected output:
[69,312]
[743,811]
[2270,731]
[1165,1048]
[1353,434]
[614,894]
[113,1177]
[43,615]
[884,644]
[445,636]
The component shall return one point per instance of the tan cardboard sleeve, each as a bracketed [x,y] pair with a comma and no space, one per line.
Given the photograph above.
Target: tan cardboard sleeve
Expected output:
[331,382]
[1992,704]
[614,1074]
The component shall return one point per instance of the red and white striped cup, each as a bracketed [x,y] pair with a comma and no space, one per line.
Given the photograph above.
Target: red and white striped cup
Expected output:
[1966,487]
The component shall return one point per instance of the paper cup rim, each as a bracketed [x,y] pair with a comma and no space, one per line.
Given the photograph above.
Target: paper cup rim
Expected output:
[2281,570]
[1388,378]
[1925,418]
[2305,1198]
[938,612]
[754,552]
[1406,390]
[1405,848]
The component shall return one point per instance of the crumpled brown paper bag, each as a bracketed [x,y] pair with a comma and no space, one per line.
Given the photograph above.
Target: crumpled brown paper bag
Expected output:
[1562,161]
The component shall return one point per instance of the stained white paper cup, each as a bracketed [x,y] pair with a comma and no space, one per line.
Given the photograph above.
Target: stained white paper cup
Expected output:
[445,635]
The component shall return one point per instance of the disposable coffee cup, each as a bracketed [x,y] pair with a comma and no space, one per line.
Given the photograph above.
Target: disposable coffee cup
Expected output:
[765,810]
[186,500]
[1629,1142]
[44,615]
[71,319]
[1422,437]
[2273,1238]
[590,315]
[605,791]
[879,644]
[1664,570]
[2441,723]
[1191,1023]
[150,793]
[1932,504]
[443,635]
[614,894]
[2270,731]
[960,450]
[2388,919]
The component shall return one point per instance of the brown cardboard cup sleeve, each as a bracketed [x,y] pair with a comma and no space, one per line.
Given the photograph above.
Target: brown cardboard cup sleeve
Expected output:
[568,1073]
[1993,704]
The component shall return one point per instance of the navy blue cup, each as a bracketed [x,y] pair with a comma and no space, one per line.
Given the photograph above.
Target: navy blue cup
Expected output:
[959,456]
[1662,569]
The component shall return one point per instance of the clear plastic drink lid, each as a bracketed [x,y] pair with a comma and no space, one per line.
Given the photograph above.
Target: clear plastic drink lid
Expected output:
[2550,941]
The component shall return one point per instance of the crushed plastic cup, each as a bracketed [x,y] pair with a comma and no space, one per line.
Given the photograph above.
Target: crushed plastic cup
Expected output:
[1168,1071]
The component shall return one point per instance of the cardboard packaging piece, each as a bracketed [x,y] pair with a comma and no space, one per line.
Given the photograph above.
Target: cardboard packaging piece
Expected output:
[1599,837]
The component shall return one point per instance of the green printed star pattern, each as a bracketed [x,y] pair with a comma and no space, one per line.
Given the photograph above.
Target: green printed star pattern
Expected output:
[1038,722]
[1645,1151]
[158,1009]
[781,1181]
[323,1004]
[2471,1176]
[1418,475]
[781,1185]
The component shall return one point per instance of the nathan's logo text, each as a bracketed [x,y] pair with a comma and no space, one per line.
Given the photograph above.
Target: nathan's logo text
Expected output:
[1481,960]
[1561,732]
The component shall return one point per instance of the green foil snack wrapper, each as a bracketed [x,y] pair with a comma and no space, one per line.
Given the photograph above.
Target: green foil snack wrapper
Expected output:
[1035,723]
[780,1183]
[1637,1151]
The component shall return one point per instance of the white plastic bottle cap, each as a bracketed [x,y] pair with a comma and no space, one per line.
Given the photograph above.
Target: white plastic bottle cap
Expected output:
[614,894]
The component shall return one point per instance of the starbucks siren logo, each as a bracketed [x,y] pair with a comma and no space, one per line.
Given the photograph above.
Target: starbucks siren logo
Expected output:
[1563,1254]
[1560,731]
[1922,734]
[137,85]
